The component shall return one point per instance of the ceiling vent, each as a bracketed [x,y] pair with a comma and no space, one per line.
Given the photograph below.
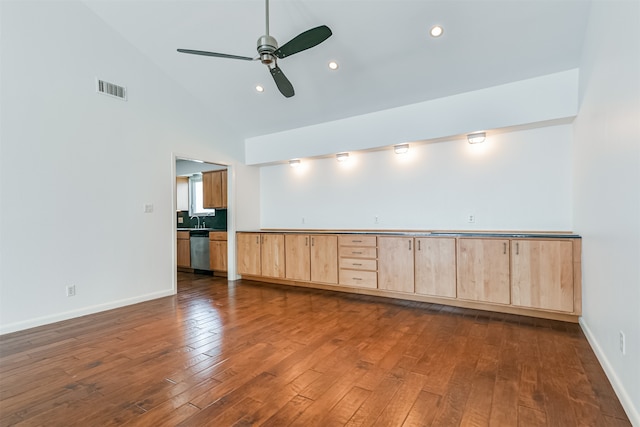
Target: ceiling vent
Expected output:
[111,89]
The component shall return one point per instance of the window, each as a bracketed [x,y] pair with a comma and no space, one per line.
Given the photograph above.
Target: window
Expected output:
[196,196]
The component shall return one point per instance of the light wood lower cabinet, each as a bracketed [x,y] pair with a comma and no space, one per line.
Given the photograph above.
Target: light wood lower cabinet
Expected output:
[261,254]
[183,249]
[272,255]
[435,266]
[297,256]
[324,259]
[396,264]
[218,251]
[358,261]
[533,276]
[249,253]
[483,270]
[542,274]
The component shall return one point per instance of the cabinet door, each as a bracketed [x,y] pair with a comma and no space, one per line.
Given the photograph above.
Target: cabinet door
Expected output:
[297,257]
[542,274]
[212,194]
[272,255]
[483,270]
[183,253]
[395,264]
[324,259]
[435,266]
[218,255]
[249,253]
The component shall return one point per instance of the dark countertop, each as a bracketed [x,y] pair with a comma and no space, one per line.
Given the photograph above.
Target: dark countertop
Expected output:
[433,233]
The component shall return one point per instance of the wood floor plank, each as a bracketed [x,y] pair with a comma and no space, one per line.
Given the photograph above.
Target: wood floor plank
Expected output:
[246,353]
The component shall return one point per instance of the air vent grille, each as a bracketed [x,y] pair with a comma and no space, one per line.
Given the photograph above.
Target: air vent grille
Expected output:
[111,89]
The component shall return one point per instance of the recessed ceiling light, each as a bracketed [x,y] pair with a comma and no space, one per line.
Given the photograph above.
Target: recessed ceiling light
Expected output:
[436,31]
[294,163]
[259,89]
[333,65]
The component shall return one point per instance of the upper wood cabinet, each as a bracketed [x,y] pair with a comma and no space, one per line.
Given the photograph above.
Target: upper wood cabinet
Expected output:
[483,270]
[249,253]
[297,257]
[395,263]
[324,259]
[435,266]
[214,189]
[542,274]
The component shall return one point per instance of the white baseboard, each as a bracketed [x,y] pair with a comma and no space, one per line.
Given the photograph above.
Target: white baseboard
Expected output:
[45,320]
[628,404]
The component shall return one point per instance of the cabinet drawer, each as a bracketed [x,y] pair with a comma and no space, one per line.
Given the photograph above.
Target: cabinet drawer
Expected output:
[183,235]
[217,235]
[353,252]
[359,264]
[357,240]
[363,279]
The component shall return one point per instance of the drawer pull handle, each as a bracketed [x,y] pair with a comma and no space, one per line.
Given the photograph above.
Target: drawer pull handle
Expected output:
[306,241]
[355,263]
[356,253]
[517,249]
[356,241]
[504,251]
[313,241]
[419,245]
[409,244]
[356,278]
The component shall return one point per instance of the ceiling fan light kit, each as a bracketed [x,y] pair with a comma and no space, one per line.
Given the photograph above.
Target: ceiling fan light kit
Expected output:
[269,52]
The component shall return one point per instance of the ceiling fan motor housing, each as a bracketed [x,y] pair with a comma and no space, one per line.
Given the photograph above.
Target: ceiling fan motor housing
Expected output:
[266,46]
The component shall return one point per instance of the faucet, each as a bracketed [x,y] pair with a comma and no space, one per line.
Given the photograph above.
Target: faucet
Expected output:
[198,218]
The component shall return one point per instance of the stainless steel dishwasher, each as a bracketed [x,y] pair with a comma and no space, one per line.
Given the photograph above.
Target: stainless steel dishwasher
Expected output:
[199,241]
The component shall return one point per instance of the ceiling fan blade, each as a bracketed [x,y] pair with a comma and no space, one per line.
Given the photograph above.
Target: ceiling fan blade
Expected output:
[218,55]
[283,83]
[304,41]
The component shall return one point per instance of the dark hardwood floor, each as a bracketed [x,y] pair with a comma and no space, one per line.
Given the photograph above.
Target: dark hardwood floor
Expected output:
[246,353]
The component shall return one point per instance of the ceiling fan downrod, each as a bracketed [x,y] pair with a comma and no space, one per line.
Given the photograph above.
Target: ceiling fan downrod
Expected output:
[267,44]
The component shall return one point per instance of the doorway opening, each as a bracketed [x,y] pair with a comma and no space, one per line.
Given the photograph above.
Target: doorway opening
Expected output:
[202,217]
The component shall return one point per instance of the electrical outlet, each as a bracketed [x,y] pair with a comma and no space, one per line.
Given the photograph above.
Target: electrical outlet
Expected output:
[303,220]
[148,207]
[376,220]
[471,219]
[623,344]
[71,290]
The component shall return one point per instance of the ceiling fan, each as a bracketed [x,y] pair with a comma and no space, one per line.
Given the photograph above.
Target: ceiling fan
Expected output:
[269,52]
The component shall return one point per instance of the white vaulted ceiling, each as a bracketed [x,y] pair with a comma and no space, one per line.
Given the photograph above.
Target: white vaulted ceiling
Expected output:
[386,56]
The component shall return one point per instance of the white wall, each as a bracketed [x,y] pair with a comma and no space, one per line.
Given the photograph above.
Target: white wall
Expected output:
[607,192]
[76,216]
[517,180]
